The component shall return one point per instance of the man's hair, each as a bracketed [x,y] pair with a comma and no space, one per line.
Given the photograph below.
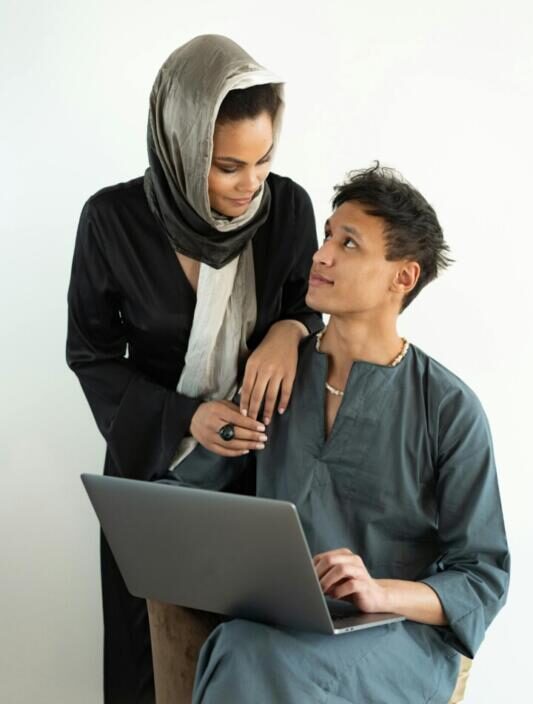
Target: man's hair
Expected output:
[247,103]
[412,230]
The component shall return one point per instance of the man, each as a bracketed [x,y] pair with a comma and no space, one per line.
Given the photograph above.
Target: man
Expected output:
[388,458]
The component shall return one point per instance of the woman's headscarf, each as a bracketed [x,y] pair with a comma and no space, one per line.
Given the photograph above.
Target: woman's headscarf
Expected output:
[184,104]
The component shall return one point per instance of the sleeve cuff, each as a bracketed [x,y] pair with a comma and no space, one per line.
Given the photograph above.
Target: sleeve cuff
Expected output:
[312,321]
[466,628]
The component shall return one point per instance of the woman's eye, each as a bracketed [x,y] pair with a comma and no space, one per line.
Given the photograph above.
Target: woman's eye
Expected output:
[227,171]
[327,236]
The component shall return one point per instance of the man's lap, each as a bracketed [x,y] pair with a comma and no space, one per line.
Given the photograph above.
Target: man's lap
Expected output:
[245,661]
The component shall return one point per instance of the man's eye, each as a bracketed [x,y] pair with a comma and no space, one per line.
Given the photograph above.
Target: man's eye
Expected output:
[350,244]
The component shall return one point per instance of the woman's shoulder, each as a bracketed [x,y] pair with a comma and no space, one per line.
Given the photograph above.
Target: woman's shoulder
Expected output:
[111,200]
[285,189]
[116,216]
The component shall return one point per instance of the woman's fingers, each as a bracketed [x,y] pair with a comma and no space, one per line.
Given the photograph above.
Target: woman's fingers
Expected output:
[257,395]
[286,391]
[211,416]
[229,413]
[251,435]
[270,398]
[250,374]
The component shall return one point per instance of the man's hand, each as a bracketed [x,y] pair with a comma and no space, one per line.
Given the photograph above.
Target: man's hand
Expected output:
[270,370]
[343,575]
[210,416]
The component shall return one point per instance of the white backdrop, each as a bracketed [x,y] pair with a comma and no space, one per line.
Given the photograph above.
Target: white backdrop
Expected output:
[442,91]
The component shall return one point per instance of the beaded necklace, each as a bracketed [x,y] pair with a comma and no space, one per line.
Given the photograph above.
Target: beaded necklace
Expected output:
[394,363]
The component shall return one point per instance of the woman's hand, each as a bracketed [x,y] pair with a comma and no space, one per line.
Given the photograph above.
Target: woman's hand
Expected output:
[343,575]
[271,369]
[210,416]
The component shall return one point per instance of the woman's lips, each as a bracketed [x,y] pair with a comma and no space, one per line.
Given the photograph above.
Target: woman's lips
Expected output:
[240,201]
[317,280]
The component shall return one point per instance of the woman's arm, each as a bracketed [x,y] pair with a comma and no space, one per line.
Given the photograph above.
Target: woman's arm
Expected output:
[271,368]
[141,421]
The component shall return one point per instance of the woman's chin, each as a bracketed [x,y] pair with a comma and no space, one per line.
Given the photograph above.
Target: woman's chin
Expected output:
[230,211]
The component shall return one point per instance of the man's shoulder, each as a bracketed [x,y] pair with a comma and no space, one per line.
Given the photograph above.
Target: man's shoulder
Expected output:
[444,387]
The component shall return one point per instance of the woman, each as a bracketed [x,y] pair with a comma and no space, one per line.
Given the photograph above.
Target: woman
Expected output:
[175,277]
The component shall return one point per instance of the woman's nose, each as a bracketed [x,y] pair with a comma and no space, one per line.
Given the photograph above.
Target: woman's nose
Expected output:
[250,182]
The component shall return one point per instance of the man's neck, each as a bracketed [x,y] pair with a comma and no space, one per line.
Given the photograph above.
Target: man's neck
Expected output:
[347,341]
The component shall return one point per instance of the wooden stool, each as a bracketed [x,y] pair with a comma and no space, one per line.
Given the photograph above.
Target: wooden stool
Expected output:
[178,634]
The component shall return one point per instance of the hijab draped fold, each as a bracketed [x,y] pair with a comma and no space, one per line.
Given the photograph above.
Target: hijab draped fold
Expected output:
[184,105]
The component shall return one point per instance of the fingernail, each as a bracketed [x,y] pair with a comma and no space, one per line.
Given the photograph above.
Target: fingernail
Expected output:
[261,427]
[267,421]
[260,446]
[246,452]
[244,411]
[263,438]
[281,411]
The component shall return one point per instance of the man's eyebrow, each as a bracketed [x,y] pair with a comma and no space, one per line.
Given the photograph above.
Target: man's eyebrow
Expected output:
[238,161]
[350,230]
[346,228]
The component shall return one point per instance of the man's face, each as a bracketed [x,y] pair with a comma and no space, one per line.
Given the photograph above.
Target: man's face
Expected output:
[350,274]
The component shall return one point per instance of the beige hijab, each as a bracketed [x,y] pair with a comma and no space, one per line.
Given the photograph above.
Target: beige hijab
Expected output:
[184,104]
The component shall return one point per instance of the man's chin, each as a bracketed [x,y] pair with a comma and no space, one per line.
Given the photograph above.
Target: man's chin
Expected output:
[319,306]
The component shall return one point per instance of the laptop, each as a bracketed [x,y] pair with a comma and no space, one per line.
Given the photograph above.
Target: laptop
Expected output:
[239,556]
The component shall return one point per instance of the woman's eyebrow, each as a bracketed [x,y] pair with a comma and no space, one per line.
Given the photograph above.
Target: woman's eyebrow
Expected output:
[238,161]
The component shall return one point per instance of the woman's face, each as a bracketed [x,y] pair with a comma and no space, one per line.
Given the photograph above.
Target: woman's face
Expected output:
[240,164]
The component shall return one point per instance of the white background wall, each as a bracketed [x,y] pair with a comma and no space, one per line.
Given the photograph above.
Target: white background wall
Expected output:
[442,91]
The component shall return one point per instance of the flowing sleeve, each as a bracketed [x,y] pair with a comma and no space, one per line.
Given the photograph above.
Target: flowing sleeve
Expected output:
[293,305]
[473,573]
[141,421]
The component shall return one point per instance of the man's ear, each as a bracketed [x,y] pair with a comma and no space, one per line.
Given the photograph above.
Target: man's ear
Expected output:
[406,277]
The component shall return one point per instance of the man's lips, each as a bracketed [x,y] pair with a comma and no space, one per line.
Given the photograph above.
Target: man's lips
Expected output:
[318,280]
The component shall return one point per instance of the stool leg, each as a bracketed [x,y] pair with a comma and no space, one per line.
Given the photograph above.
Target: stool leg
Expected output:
[177,636]
[460,687]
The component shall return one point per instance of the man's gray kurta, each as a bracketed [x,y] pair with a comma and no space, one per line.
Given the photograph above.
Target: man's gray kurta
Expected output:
[407,481]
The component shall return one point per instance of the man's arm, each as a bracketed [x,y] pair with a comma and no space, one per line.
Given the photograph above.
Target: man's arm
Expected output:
[343,575]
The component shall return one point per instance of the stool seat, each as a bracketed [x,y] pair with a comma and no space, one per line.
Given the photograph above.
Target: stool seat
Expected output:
[177,636]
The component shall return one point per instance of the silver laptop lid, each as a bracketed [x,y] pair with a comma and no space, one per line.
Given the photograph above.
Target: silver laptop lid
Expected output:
[241,556]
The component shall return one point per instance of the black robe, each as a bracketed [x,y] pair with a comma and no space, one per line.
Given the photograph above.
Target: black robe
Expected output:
[131,309]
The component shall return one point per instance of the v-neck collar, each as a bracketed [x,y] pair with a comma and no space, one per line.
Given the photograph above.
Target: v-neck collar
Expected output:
[372,378]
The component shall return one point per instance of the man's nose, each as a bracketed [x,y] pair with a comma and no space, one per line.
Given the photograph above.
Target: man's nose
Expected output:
[324,254]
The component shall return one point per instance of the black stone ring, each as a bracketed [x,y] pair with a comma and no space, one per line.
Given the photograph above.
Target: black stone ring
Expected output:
[227,432]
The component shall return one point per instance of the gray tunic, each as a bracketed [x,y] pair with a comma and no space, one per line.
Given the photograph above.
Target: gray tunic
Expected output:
[407,481]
